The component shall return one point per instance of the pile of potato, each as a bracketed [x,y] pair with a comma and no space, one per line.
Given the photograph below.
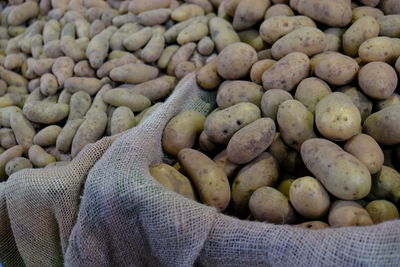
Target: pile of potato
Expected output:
[307,129]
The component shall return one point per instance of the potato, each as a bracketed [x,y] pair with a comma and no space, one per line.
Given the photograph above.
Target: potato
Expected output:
[14,61]
[342,174]
[23,129]
[248,13]
[379,49]
[230,6]
[262,171]
[348,213]
[284,187]
[235,61]
[308,40]
[207,77]
[133,73]
[155,89]
[6,156]
[192,33]
[333,39]
[48,84]
[205,46]
[271,100]
[10,99]
[186,11]
[91,130]
[222,33]
[313,225]
[21,13]
[310,91]
[85,84]
[361,30]
[275,27]
[383,125]
[106,68]
[172,33]
[47,136]
[259,68]
[173,180]
[287,72]
[12,78]
[63,68]
[7,138]
[364,11]
[288,158]
[390,101]
[83,69]
[371,3]
[207,145]
[182,131]
[378,80]
[332,13]
[278,10]
[39,157]
[65,137]
[204,4]
[337,118]
[269,205]
[363,104]
[79,104]
[123,97]
[365,149]
[336,69]
[221,125]
[222,161]
[386,184]
[234,92]
[98,102]
[118,37]
[295,122]
[182,54]
[252,38]
[45,112]
[6,113]
[17,164]
[390,6]
[184,68]
[210,181]
[122,119]
[166,56]
[138,39]
[250,141]
[382,210]
[98,46]
[154,17]
[389,25]
[74,49]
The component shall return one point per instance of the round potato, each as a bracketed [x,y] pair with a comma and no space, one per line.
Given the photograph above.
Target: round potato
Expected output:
[310,91]
[382,210]
[348,213]
[336,69]
[234,92]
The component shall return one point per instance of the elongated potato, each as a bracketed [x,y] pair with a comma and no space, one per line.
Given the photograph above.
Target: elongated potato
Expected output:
[122,119]
[79,104]
[123,97]
[348,213]
[17,164]
[21,13]
[39,157]
[45,112]
[23,130]
[108,66]
[155,89]
[63,68]
[380,48]
[47,136]
[182,54]
[6,156]
[342,174]
[222,33]
[336,69]
[65,137]
[182,131]
[133,73]
[231,93]
[210,180]
[98,46]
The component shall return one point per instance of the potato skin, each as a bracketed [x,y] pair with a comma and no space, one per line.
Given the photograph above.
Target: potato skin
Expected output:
[172,179]
[380,48]
[310,91]
[222,33]
[210,181]
[367,150]
[250,141]
[386,184]
[364,11]
[222,161]
[382,210]
[259,68]
[336,117]
[181,131]
[262,171]
[271,100]
[363,104]
[384,126]
[248,13]
[207,76]
[341,173]
[336,69]
[348,213]
[47,136]
[17,164]
[234,92]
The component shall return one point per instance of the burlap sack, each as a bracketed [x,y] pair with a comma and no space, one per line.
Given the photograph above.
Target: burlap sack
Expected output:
[127,219]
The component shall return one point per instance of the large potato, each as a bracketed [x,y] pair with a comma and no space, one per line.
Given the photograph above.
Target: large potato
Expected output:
[389,25]
[384,126]
[234,92]
[336,69]
[262,171]
[271,100]
[341,173]
[364,11]
[287,72]
[380,48]
[382,210]
[310,91]
[278,10]
[182,131]
[365,148]
[248,13]
[348,213]
[210,180]
[250,141]
[45,112]
[235,61]
[336,117]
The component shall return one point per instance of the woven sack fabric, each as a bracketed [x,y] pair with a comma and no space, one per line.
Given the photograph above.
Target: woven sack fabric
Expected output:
[126,218]
[42,206]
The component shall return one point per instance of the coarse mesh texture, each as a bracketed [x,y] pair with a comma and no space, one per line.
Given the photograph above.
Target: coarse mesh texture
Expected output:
[43,205]
[127,219]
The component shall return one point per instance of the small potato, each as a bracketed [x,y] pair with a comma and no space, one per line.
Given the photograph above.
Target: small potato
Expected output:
[262,171]
[271,100]
[79,104]
[154,17]
[378,80]
[348,213]
[222,33]
[6,156]
[287,72]
[342,174]
[192,33]
[278,10]
[288,158]
[7,138]
[382,210]
[45,112]
[269,205]
[186,11]
[284,187]
[336,69]
[210,180]
[308,40]
[83,69]
[383,125]
[39,157]
[182,54]
[364,11]
[234,92]
[336,117]
[166,56]
[363,104]
[248,13]
[172,179]
[252,37]
[155,89]
[296,123]
[153,49]
[172,33]
[123,97]
[332,13]
[182,131]
[314,225]
[207,77]
[309,198]
[275,27]
[17,164]
[48,84]
[47,136]
[65,137]
[133,73]
[23,130]
[380,48]
[63,68]
[21,13]
[122,119]
[386,184]
[310,91]
[222,161]
[365,149]
[205,46]
[221,125]
[250,141]
[259,68]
